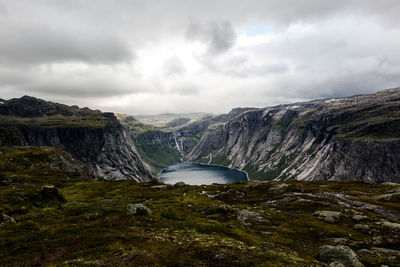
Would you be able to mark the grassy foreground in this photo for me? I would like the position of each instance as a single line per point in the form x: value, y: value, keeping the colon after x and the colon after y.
x: 85, y: 223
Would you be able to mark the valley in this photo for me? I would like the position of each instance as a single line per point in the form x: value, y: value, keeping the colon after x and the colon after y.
x: 78, y: 187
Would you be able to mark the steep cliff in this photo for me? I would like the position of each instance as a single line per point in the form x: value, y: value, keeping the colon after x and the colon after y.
x: 95, y: 138
x: 157, y: 148
x: 337, y: 139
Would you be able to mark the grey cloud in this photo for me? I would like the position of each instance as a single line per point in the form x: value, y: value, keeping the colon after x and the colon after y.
x: 76, y: 85
x: 218, y: 35
x: 174, y: 67
x: 186, y: 90
x: 258, y: 70
x: 242, y: 67
x: 338, y: 48
x: 44, y: 45
x: 3, y: 10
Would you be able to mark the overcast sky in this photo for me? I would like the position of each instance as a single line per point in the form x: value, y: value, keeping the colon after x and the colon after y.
x: 149, y: 57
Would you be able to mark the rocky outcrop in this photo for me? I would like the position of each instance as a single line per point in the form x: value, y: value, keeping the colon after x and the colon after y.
x: 337, y: 139
x: 137, y: 209
x: 339, y: 254
x: 95, y: 138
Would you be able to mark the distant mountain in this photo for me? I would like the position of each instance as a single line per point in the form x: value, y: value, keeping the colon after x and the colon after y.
x: 162, y: 120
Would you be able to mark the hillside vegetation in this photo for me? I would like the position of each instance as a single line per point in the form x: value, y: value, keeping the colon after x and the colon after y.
x: 52, y: 214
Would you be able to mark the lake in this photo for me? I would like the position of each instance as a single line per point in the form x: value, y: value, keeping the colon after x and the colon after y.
x: 198, y: 174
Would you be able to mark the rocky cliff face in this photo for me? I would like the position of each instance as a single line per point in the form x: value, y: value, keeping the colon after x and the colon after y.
x: 95, y: 138
x: 336, y: 139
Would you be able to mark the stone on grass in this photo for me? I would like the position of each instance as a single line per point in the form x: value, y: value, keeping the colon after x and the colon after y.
x: 179, y: 184
x: 159, y: 187
x: 336, y: 264
x: 7, y: 219
x: 361, y: 227
x: 137, y: 209
x: 328, y: 216
x: 358, y: 217
x: 279, y: 187
x: 341, y: 254
x: 52, y: 193
x: 248, y: 217
x: 391, y: 225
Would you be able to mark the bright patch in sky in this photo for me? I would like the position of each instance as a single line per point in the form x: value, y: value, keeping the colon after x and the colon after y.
x: 257, y: 30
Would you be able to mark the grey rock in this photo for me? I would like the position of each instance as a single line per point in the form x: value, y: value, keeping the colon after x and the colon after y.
x: 225, y: 209
x: 338, y: 241
x: 391, y: 184
x: 340, y: 254
x: 137, y: 209
x: 279, y: 187
x: 387, y: 197
x: 328, y: 216
x: 379, y: 252
x: 361, y: 227
x: 254, y: 184
x: 8, y: 219
x: 336, y: 264
x: 390, y: 225
x: 159, y: 187
x: 378, y: 240
x: 385, y: 251
x: 359, y: 217
x: 179, y: 184
x: 248, y: 217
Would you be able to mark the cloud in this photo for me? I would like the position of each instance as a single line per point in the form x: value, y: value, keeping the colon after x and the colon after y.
x: 179, y: 56
x: 3, y: 10
x: 43, y: 44
x: 72, y: 80
x: 219, y: 36
x: 173, y: 66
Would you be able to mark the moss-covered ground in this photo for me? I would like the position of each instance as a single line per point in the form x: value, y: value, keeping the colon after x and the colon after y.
x: 240, y: 224
x: 92, y: 121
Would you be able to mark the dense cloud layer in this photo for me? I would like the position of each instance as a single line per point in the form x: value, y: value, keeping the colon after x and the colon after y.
x: 185, y: 55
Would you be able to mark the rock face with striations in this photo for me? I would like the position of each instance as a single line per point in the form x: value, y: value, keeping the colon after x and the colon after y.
x: 95, y: 138
x: 333, y: 139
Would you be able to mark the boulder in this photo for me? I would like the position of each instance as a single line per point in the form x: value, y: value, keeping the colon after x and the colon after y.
x: 7, y: 219
x: 328, y: 216
x: 390, y: 225
x: 52, y: 193
x: 279, y: 187
x: 248, y: 217
x: 336, y: 264
x: 340, y: 254
x: 388, y: 197
x: 179, y: 184
x: 379, y: 252
x: 361, y: 227
x: 225, y: 209
x: 159, y: 187
x: 337, y: 241
x: 254, y: 184
x: 358, y: 217
x: 137, y: 209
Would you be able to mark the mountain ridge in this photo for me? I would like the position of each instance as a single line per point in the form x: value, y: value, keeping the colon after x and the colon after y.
x: 95, y: 138
x: 307, y: 140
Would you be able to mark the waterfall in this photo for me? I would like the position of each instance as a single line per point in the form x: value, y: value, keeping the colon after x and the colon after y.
x: 179, y: 148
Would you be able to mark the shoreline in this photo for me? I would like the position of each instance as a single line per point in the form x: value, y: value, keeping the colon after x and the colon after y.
x: 247, y: 175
